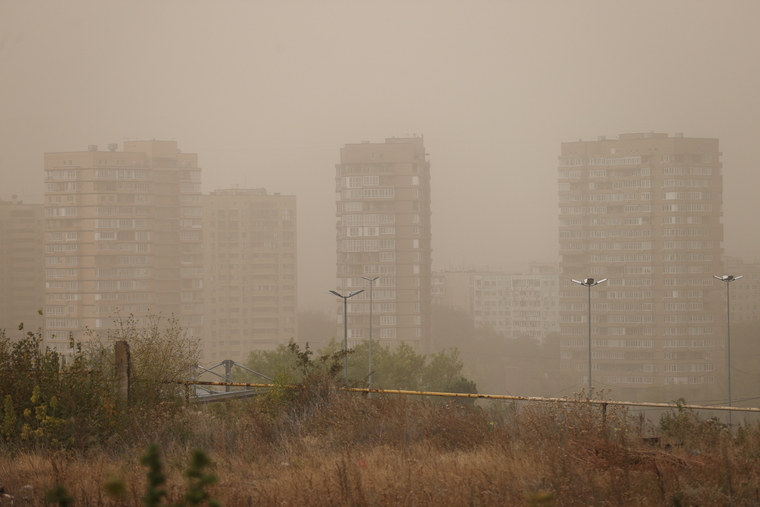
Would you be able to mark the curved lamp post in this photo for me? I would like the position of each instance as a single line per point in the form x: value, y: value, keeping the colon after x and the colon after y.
x: 589, y: 282
x: 345, y: 328
x: 371, y: 285
x: 728, y: 279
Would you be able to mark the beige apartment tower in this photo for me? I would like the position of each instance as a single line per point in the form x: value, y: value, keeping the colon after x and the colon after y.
x: 250, y: 279
x: 383, y: 230
x: 644, y: 211
x: 22, y: 266
x: 123, y: 236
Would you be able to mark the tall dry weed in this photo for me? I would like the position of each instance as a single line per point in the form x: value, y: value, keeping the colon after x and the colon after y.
x: 346, y: 449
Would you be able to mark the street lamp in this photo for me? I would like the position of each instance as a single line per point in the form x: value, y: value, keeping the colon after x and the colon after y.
x: 728, y: 279
x: 589, y: 282
x: 345, y: 328
x: 371, y: 284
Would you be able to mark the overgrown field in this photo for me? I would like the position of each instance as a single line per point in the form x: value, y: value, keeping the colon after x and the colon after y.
x: 332, y: 448
x: 67, y: 437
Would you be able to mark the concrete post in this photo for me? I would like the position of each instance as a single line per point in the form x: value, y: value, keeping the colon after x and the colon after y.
x: 122, y: 361
x: 228, y: 373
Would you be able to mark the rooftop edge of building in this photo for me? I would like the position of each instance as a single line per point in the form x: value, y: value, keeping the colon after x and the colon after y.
x: 637, y: 136
x: 392, y: 140
x: 240, y: 191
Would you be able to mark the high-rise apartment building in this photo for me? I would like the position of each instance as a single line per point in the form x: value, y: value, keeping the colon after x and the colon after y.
x: 123, y: 236
x: 383, y: 230
x: 22, y: 265
x: 645, y: 212
x: 250, y: 277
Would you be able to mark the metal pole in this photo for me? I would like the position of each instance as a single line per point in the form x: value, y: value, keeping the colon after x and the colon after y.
x: 728, y: 345
x: 728, y: 279
x: 589, y: 340
x: 371, y: 285
x: 589, y: 282
x: 345, y: 328
x: 345, y: 340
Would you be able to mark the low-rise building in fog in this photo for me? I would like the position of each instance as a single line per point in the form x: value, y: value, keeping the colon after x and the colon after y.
x: 453, y: 289
x: 250, y: 272
x: 491, y: 298
x: 513, y: 305
x: 533, y: 302
x: 22, y: 266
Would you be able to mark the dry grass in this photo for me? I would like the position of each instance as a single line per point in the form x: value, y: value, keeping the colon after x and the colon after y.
x: 341, y: 449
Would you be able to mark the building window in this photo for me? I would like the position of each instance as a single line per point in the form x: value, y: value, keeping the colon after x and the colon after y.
x: 388, y: 332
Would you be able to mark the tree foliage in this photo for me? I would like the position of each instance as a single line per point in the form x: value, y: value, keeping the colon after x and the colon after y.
x: 278, y: 363
x: 47, y: 401
x: 64, y: 399
x: 392, y: 368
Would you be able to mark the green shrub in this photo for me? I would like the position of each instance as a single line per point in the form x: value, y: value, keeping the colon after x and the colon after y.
x: 68, y: 399
x: 48, y: 401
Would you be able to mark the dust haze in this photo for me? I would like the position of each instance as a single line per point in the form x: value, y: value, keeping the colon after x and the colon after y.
x: 268, y: 92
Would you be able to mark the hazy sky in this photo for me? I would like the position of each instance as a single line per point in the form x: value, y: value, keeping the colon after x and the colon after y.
x: 267, y: 92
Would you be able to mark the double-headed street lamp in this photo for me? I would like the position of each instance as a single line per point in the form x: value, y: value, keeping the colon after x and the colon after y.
x: 371, y: 284
x: 345, y: 327
x: 589, y: 282
x: 728, y: 279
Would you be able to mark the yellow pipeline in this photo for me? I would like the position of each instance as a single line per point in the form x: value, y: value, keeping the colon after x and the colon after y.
x: 495, y: 397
